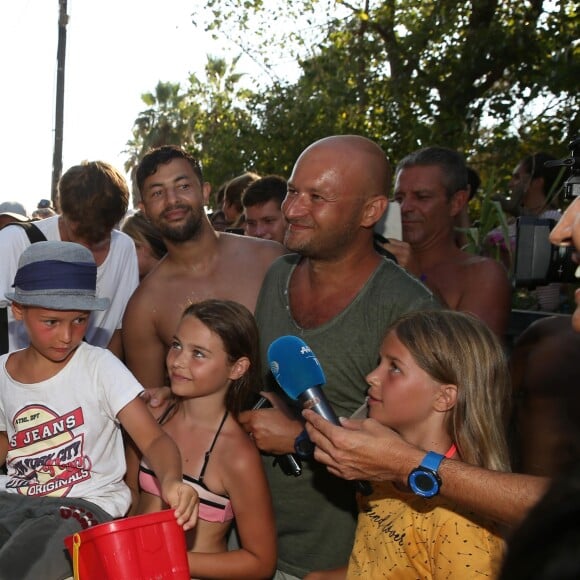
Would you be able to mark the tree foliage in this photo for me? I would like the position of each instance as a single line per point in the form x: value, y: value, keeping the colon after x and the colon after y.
x: 468, y: 75
x: 207, y: 118
x: 491, y: 78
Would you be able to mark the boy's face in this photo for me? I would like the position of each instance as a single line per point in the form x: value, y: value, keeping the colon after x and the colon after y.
x: 265, y: 220
x: 55, y: 334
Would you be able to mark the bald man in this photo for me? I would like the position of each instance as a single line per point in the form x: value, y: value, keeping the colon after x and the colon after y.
x: 367, y: 450
x: 338, y: 294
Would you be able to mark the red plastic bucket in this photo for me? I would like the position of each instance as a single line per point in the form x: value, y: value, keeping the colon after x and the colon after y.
x: 147, y: 547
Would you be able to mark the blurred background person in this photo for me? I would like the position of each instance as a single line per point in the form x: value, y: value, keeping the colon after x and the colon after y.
x: 262, y: 201
x: 148, y: 242
x: 232, y: 204
x: 12, y: 211
x: 534, y: 191
x: 218, y: 220
x: 43, y: 210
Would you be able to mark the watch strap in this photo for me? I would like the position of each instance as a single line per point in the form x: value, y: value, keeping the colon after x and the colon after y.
x: 432, y: 461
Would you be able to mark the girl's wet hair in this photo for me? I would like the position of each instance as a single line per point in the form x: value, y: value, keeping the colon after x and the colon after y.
x: 236, y: 327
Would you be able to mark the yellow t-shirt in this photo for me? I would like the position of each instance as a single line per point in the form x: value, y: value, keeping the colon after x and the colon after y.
x: 400, y: 535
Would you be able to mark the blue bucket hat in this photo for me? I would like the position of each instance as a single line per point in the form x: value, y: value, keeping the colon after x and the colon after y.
x: 57, y: 276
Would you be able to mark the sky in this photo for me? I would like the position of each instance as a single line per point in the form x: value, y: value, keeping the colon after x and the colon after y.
x: 116, y: 51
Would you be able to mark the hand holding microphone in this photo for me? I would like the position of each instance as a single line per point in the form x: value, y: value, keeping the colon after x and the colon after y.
x: 299, y: 374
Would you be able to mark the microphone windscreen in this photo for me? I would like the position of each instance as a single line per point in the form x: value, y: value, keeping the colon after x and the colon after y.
x: 294, y: 365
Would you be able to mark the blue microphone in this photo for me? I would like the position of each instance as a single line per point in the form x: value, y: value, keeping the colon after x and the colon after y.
x: 298, y: 371
x: 300, y: 375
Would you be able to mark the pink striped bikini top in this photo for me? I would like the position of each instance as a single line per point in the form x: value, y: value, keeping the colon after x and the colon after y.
x: 212, y: 506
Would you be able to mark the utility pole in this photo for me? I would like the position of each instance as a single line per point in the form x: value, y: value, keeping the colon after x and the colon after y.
x: 59, y: 115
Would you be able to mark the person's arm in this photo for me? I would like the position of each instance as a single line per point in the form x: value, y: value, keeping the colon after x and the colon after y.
x: 368, y: 450
x: 487, y: 294
x: 500, y: 496
x: 144, y: 349
x: 3, y: 447
x: 245, y: 482
x: 132, y: 458
x: 274, y: 429
x: 116, y: 344
x: 164, y: 459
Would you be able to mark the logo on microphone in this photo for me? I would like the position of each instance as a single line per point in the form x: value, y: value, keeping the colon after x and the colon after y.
x: 305, y: 350
x: 275, y: 368
x: 312, y: 402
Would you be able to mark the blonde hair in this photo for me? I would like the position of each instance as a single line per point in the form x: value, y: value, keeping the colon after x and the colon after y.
x: 457, y: 348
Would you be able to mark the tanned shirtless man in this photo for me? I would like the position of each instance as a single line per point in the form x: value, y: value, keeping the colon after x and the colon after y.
x: 431, y: 186
x: 200, y: 262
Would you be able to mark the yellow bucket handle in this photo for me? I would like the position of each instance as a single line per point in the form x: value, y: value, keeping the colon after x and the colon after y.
x: 76, y: 548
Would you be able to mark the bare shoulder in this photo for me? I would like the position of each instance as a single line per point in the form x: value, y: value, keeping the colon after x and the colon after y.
x: 239, y: 451
x: 255, y: 247
x: 153, y: 285
x: 480, y: 266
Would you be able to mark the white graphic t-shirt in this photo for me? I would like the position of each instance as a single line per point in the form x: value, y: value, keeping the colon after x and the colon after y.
x: 63, y: 435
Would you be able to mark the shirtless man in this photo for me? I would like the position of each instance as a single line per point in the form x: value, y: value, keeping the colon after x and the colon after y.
x: 200, y: 262
x: 431, y: 186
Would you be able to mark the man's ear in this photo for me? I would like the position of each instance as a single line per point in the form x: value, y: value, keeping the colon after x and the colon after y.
x: 17, y: 311
x: 458, y: 200
x: 373, y: 210
x: 446, y: 398
x: 143, y: 208
x: 239, y: 368
x: 206, y: 191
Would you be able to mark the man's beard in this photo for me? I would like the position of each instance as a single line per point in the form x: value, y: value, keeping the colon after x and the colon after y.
x: 323, y: 246
x: 182, y: 233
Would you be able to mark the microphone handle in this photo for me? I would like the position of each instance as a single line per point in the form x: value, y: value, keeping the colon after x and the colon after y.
x: 288, y: 463
x: 314, y: 399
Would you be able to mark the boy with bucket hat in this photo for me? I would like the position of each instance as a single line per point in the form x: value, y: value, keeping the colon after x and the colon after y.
x: 61, y: 403
x: 93, y: 197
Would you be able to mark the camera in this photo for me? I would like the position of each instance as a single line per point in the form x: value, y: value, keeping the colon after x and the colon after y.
x: 537, y: 261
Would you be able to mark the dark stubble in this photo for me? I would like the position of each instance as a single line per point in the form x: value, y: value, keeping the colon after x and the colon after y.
x: 185, y: 232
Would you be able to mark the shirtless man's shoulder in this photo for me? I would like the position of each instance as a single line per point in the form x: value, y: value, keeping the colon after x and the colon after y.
x: 234, y: 273
x: 474, y: 267
x: 253, y: 250
x: 475, y: 284
x: 465, y: 268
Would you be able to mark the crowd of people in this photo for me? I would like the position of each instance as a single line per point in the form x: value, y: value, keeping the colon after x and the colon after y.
x: 159, y: 321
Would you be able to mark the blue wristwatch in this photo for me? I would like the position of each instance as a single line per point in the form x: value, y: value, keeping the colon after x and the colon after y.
x: 424, y: 480
x: 303, y: 447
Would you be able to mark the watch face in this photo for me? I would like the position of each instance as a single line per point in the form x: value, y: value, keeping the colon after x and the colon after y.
x: 303, y: 447
x: 424, y: 482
